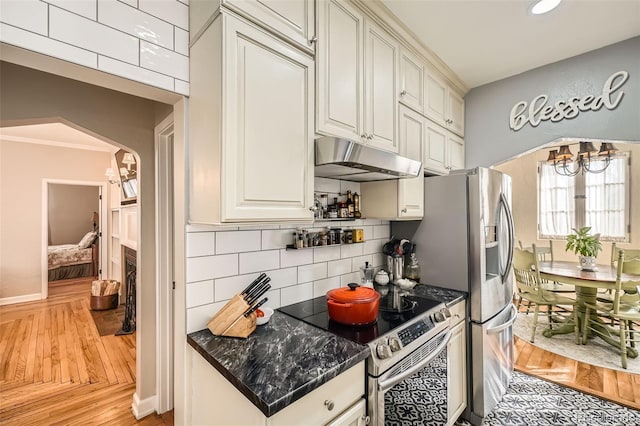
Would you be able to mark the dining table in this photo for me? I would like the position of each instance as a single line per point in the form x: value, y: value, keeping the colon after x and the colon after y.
x: 586, y: 284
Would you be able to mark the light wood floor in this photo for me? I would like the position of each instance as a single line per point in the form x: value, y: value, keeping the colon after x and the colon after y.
x: 56, y: 369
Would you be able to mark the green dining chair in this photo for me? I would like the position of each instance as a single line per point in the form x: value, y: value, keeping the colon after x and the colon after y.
x: 531, y: 288
x: 624, y: 309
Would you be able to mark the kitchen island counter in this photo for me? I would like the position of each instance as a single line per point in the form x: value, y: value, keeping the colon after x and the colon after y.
x: 280, y: 362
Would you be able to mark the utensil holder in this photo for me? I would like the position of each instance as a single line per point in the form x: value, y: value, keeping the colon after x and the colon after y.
x: 230, y: 321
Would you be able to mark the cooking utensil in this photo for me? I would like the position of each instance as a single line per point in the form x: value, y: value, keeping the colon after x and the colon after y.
x: 353, y: 305
x: 262, y: 289
x: 254, y: 283
x: 251, y: 295
x: 254, y: 307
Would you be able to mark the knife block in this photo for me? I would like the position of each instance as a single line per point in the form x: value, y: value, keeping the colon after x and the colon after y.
x: 230, y: 321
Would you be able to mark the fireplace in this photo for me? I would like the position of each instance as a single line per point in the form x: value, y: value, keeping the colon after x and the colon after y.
x: 130, y: 275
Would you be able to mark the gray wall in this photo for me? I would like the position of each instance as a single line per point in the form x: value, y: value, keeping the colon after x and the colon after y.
x: 70, y: 210
x: 490, y: 141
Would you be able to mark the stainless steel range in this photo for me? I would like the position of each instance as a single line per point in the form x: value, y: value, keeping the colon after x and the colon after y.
x: 408, y: 343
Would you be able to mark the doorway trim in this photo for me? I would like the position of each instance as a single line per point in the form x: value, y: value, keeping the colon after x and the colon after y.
x: 102, y: 190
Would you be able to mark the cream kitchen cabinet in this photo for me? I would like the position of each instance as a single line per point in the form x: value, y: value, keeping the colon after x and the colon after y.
x: 250, y: 126
x: 443, y: 152
x: 457, y: 365
x: 401, y: 199
x: 292, y: 19
x: 215, y: 401
x: 443, y: 104
x: 357, y: 63
x: 411, y: 81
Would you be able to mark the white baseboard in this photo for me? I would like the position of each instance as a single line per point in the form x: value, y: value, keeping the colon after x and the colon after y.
x: 20, y: 299
x: 142, y: 408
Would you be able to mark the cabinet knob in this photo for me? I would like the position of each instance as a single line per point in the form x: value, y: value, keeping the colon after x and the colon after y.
x: 404, y: 92
x: 329, y: 404
x: 313, y: 208
x: 403, y: 210
x: 312, y: 40
x: 363, y: 136
x: 366, y: 419
x: 369, y: 137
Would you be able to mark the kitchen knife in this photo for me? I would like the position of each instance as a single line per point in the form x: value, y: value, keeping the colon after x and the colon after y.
x: 254, y: 307
x: 256, y: 281
x: 251, y: 294
x: 263, y: 289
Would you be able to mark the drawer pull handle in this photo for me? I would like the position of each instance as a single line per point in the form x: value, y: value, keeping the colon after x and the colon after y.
x: 329, y: 404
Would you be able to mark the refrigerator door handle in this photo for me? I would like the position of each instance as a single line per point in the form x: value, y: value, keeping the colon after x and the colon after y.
x: 509, y: 323
x: 507, y: 210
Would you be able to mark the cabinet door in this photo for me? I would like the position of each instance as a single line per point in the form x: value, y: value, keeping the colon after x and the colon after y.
x: 435, y: 151
x: 455, y: 152
x: 435, y: 98
x: 267, y: 156
x: 380, y: 76
x: 294, y: 19
x: 412, y: 138
x: 339, y: 56
x: 354, y: 416
x: 455, y: 113
x: 457, y: 373
x: 411, y: 81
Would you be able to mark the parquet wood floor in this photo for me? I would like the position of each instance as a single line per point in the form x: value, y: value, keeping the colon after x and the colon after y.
x: 56, y: 369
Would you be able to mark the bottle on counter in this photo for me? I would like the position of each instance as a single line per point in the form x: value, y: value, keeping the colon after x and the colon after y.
x: 356, y: 206
x: 350, y: 205
x: 343, y: 213
x: 412, y: 267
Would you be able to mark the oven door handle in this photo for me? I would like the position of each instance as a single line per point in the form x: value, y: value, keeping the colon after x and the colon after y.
x: 509, y: 323
x: 384, y: 385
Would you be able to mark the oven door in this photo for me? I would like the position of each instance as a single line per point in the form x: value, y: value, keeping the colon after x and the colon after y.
x: 414, y: 391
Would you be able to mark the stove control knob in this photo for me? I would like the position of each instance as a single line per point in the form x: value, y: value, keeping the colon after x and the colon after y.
x: 383, y: 351
x: 446, y: 312
x: 394, y: 344
x: 439, y: 316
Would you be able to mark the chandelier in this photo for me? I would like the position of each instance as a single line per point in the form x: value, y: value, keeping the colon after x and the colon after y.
x: 588, y: 160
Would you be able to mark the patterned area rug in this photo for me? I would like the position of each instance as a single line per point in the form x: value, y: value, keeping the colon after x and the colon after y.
x: 595, y: 352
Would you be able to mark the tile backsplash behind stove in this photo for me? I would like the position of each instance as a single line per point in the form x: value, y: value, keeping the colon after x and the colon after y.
x: 223, y: 260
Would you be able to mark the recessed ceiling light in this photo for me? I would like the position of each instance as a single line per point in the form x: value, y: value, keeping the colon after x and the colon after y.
x: 544, y: 6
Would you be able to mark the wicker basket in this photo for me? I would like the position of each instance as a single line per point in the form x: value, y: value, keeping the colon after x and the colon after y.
x: 103, y: 303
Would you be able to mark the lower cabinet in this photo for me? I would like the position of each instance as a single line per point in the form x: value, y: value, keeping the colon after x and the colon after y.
x: 457, y: 365
x: 215, y: 401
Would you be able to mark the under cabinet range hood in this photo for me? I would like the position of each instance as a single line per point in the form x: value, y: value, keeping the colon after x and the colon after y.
x: 344, y: 159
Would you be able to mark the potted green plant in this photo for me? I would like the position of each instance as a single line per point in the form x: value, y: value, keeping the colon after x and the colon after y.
x: 586, y: 246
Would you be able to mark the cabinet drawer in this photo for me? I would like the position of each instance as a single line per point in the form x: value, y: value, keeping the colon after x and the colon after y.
x: 342, y: 391
x: 458, y: 312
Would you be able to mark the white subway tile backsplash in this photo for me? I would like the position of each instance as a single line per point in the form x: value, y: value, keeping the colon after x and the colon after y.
x: 134, y: 73
x: 373, y: 246
x: 30, y: 15
x: 135, y: 22
x: 296, y: 293
x: 283, y: 277
x: 169, y: 10
x: 78, y: 31
x: 324, y: 254
x: 379, y: 260
x: 181, y: 87
x: 276, y: 238
x: 352, y: 277
x: 181, y: 41
x: 237, y: 241
x: 339, y: 267
x: 200, y: 244
x: 204, y: 228
x: 209, y: 267
x: 226, y: 288
x: 274, y: 299
x: 382, y: 231
x: 312, y: 272
x: 359, y: 262
x: 47, y: 46
x: 321, y: 287
x: 199, y: 293
x: 259, y: 261
x: 198, y: 317
x: 84, y: 8
x: 164, y: 61
x: 133, y: 3
x: 368, y: 232
x: 351, y: 250
x: 295, y: 257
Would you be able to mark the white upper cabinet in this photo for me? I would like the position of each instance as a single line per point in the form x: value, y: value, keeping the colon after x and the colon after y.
x: 411, y: 81
x: 339, y: 57
x: 357, y: 65
x: 443, y: 104
x: 412, y: 136
x: 381, y: 76
x: 251, y: 126
x: 443, y: 152
x: 292, y: 19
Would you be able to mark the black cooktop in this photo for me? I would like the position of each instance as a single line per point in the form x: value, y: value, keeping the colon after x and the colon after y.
x: 396, y: 308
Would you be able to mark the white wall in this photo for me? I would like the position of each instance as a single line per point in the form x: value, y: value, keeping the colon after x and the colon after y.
x: 141, y: 40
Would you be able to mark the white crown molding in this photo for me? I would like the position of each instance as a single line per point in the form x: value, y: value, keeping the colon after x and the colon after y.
x: 23, y: 139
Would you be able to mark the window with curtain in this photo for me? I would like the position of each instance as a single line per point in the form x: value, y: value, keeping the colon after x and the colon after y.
x: 600, y: 201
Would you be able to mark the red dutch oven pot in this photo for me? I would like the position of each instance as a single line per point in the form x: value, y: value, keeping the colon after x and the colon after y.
x: 353, y: 305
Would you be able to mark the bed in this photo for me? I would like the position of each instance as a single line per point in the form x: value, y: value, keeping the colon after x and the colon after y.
x: 74, y: 260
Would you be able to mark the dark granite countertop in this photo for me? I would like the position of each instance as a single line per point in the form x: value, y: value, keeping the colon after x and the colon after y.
x: 280, y: 361
x: 448, y: 297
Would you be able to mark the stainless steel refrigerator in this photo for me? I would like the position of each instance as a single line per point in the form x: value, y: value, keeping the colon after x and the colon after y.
x: 465, y: 242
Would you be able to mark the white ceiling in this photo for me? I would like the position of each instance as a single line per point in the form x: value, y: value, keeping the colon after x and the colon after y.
x: 56, y: 134
x: 487, y: 40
